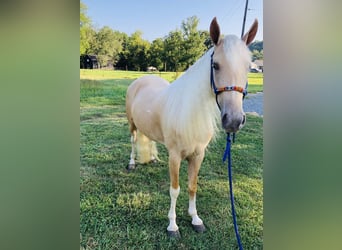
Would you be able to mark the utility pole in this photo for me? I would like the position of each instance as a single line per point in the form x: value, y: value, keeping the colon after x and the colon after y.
x: 244, y: 19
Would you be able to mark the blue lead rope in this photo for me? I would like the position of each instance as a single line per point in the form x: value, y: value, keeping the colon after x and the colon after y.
x: 227, y: 154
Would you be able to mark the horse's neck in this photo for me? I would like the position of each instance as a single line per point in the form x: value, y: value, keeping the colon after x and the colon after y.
x: 195, y: 82
x: 190, y: 104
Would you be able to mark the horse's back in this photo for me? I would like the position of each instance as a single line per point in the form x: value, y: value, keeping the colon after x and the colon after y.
x: 145, y: 88
x: 151, y: 83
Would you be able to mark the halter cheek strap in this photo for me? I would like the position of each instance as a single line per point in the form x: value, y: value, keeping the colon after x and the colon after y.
x: 218, y: 91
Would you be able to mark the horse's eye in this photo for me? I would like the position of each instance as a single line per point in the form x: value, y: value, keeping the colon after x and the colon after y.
x: 216, y: 66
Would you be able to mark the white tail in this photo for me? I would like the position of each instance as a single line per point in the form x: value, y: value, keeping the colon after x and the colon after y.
x: 146, y: 149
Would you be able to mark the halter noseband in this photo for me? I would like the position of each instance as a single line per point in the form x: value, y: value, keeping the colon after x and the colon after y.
x: 218, y: 91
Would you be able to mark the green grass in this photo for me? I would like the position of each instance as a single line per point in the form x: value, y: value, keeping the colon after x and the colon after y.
x: 121, y: 210
x: 121, y: 74
x: 255, y: 80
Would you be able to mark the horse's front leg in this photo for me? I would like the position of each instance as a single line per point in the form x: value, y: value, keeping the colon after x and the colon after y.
x: 194, y: 162
x: 174, y: 164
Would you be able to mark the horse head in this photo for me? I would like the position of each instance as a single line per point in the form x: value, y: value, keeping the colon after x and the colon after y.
x: 230, y: 63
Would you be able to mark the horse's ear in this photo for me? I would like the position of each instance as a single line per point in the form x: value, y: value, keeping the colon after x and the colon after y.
x: 250, y: 35
x: 214, y: 31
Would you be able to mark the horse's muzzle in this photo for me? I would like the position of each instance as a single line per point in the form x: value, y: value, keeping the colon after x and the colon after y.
x: 233, y: 124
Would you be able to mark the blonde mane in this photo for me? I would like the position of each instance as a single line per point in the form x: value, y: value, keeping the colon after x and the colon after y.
x: 192, y: 111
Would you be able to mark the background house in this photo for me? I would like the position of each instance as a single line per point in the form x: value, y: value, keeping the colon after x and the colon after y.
x: 88, y: 62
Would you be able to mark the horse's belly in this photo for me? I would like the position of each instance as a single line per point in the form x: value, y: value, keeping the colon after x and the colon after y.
x: 148, y: 123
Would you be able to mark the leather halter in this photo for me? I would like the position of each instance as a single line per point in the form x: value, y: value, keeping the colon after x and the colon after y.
x: 218, y: 91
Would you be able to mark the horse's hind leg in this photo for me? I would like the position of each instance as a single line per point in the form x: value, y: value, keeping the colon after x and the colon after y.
x: 154, y: 152
x: 131, y: 164
x: 194, y: 162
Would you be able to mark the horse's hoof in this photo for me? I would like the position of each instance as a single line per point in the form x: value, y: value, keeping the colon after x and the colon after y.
x: 174, y: 234
x: 130, y: 167
x: 199, y: 228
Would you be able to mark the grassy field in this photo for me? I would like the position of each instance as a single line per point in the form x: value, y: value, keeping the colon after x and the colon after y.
x: 121, y: 74
x: 121, y: 210
x: 255, y: 80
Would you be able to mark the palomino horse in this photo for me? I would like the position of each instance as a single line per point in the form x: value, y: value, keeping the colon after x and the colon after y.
x: 184, y: 115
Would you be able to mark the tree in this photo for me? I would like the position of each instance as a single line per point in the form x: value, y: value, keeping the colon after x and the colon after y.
x: 193, y: 41
x: 184, y: 47
x: 189, y: 27
x: 257, y: 45
x: 205, y: 36
x: 139, y: 49
x: 156, y: 54
x: 174, y: 51
x: 124, y: 55
x: 107, y: 46
x: 257, y: 49
x: 86, y: 30
x: 135, y: 55
x: 257, y: 55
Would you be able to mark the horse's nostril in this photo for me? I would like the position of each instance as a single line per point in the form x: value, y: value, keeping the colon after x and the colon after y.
x: 232, y: 125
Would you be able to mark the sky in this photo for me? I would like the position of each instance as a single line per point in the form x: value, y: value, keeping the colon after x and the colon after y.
x: 156, y: 18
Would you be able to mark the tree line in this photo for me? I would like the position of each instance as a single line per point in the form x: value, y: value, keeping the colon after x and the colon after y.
x: 257, y: 49
x: 175, y: 52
